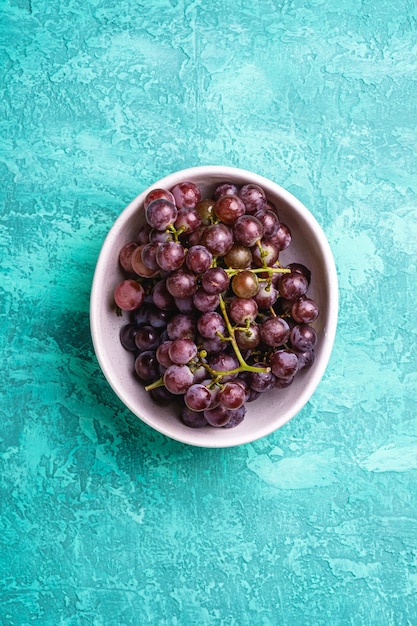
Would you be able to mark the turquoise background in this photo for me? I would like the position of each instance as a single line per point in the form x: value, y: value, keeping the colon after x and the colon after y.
x: 103, y: 521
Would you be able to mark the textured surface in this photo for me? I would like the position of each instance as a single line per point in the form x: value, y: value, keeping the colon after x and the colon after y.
x: 104, y: 521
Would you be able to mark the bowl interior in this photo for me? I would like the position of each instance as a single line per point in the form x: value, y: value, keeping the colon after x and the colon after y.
x: 273, y: 409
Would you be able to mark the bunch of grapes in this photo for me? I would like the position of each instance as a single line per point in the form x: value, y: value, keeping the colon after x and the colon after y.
x: 215, y: 320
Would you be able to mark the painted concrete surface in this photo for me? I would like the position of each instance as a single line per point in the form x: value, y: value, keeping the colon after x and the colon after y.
x: 104, y: 521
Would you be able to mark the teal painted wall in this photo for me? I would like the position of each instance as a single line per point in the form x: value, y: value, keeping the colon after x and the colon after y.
x: 103, y: 521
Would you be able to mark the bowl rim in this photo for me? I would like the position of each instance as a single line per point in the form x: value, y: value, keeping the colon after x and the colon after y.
x: 329, y: 333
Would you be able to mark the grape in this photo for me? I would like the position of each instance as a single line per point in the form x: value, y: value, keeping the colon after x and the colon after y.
x: 139, y: 266
x: 205, y: 210
x: 162, y: 396
x: 306, y: 358
x: 283, y: 383
x: 157, y: 194
x: 188, y: 220
x: 238, y: 257
x: 185, y: 305
x: 210, y: 323
x: 147, y: 338
x: 127, y: 336
x: 301, y: 269
x: 261, y: 381
x: 186, y: 195
x: 282, y: 237
x: 269, y: 221
x: 199, y: 398
x: 248, y: 230
x: 148, y: 254
x: 178, y: 378
x: 161, y: 296
x: 181, y: 351
x: 292, y: 286
x: 215, y: 280
x: 211, y: 346
x: 161, y: 214
x: 243, y: 310
x: 217, y: 417
x: 284, y: 363
x: 249, y: 338
x: 266, y: 296
x: 158, y: 318
x: 160, y: 236
x: 236, y: 417
x: 204, y: 301
x: 198, y: 259
x: 170, y: 256
x: 231, y: 395
x: 194, y: 238
x: 253, y: 197
x: 181, y: 284
x: 218, y: 239
x: 146, y: 366
x: 129, y: 295
x: 224, y: 362
x: 125, y: 256
x: 275, y: 331
x: 229, y: 208
x: 143, y: 234
x: 162, y: 354
x: 192, y: 419
x: 181, y: 325
x: 245, y: 284
x: 303, y: 337
x: 266, y: 254
x: 304, y: 310
x: 225, y: 189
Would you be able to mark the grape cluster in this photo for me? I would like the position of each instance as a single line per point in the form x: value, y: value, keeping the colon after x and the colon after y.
x: 214, y: 319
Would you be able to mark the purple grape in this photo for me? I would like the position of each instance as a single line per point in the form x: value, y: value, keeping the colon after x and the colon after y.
x: 248, y: 230
x: 284, y: 363
x: 162, y: 396
x: 237, y: 416
x: 304, y: 310
x: 181, y: 283
x: 161, y: 296
x: 292, y: 286
x: 243, y: 310
x: 181, y: 325
x: 199, y: 398
x: 303, y: 337
x: 224, y: 362
x: 229, y: 208
x: 218, y: 239
x: 188, y: 220
x: 282, y: 237
x: 275, y: 331
x: 177, y: 379
x: 127, y: 336
x: 125, y: 256
x: 210, y: 323
x: 181, y: 351
x: 149, y: 255
x: 192, y: 419
x: 218, y: 417
x: 147, y: 338
x: 170, y: 256
x: 253, y: 197
x: 301, y: 269
x: 204, y: 301
x: 158, y: 194
x: 146, y: 366
x: 225, y: 189
x: 215, y: 280
x: 261, y: 381
x: 129, y: 295
x: 231, y: 395
x: 198, y: 259
x: 269, y: 221
x: 186, y: 195
x: 161, y: 213
x: 265, y: 255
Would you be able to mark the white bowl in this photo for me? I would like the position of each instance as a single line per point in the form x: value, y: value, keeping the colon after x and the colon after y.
x: 272, y: 409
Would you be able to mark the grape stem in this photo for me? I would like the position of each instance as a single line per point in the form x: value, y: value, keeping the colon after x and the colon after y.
x: 243, y: 366
x: 155, y: 385
x: 231, y: 271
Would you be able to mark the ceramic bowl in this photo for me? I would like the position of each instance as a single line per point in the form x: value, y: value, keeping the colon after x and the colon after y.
x: 272, y: 409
